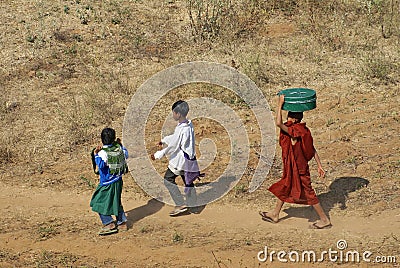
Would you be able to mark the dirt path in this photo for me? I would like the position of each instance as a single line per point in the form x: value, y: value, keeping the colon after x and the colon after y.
x: 48, y: 228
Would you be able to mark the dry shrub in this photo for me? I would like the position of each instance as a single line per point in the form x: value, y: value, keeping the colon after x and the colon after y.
x: 286, y: 7
x: 5, y: 153
x: 380, y: 69
x: 257, y: 68
x: 76, y: 120
x: 8, y: 148
x: 385, y: 15
x: 8, y: 139
x: 330, y: 22
x: 230, y: 20
x: 96, y: 105
x: 206, y: 17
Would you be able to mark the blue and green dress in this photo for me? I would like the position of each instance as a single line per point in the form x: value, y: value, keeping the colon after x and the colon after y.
x: 106, y: 199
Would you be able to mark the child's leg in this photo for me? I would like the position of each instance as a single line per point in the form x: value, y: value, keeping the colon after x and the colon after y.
x: 169, y: 181
x: 278, y: 208
x: 122, y: 221
x: 109, y: 226
x: 323, y: 218
x: 107, y: 220
x: 190, y: 191
x: 121, y: 218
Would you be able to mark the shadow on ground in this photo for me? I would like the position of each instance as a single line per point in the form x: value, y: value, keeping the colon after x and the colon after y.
x: 191, y: 210
x: 338, y: 192
x: 136, y: 214
x: 152, y: 207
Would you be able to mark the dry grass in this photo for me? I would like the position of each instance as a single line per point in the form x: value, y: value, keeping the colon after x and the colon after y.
x: 70, y: 68
x: 77, y: 64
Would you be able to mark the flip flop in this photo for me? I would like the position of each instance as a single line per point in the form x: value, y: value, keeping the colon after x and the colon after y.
x: 107, y: 231
x: 315, y: 226
x: 178, y: 211
x: 123, y: 226
x: 264, y: 217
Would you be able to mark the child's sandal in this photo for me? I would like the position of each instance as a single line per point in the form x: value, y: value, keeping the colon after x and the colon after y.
x: 107, y: 231
x: 123, y: 226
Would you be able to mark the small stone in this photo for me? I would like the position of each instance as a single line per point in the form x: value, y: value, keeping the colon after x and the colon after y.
x: 11, y: 105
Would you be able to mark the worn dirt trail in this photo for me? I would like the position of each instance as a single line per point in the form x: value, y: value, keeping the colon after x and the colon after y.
x: 61, y: 223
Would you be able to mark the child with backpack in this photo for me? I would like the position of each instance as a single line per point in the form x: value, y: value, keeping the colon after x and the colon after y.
x: 110, y: 158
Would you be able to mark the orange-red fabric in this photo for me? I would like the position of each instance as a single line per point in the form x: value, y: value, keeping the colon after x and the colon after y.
x: 295, y: 184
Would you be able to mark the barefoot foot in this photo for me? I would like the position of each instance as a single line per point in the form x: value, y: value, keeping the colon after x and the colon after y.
x: 269, y: 217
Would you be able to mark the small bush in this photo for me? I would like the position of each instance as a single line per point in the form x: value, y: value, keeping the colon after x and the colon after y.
x: 206, y: 17
x: 379, y: 68
x: 47, y: 230
x: 177, y: 237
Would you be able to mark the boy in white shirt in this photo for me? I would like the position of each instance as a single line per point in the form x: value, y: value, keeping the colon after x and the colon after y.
x: 180, y: 147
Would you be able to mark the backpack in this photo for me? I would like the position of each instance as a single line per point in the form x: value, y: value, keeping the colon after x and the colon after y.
x: 116, y: 160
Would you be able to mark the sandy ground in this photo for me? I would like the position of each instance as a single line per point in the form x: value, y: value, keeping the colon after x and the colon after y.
x: 56, y: 228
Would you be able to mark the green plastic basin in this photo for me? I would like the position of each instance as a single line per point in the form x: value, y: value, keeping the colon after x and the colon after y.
x: 299, y: 99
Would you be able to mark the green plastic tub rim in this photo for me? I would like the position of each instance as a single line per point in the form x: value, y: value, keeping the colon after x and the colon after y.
x: 299, y: 99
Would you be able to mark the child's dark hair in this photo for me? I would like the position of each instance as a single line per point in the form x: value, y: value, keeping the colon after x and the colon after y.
x: 296, y: 115
x: 181, y: 107
x: 108, y: 136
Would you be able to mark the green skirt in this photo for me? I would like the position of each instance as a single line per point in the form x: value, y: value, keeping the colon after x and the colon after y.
x: 106, y: 200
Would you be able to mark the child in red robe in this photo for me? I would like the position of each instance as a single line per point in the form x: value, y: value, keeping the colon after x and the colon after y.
x: 295, y: 186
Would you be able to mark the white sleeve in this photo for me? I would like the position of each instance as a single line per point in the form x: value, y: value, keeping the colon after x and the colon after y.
x: 173, y: 141
x: 103, y: 156
x: 159, y: 154
x: 168, y: 139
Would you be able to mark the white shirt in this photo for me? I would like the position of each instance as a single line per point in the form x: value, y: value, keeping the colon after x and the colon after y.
x: 181, y: 141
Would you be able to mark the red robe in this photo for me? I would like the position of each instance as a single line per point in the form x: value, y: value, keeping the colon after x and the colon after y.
x: 295, y: 185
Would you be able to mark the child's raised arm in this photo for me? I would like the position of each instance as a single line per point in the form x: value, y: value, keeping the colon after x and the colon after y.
x: 279, y: 121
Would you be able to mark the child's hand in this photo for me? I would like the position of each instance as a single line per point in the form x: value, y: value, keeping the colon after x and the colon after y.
x: 98, y: 148
x: 321, y: 172
x: 152, y: 157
